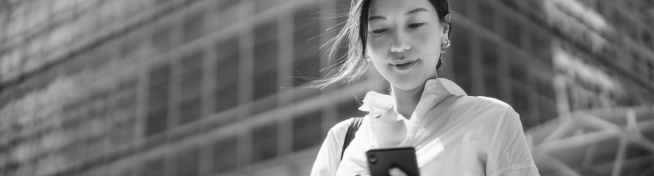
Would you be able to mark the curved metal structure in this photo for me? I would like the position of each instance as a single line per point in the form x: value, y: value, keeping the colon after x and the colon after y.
x: 616, y: 141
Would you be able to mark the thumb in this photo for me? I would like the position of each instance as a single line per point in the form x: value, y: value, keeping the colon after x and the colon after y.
x: 396, y: 172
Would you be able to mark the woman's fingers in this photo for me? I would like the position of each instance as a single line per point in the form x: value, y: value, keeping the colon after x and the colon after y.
x: 396, y: 172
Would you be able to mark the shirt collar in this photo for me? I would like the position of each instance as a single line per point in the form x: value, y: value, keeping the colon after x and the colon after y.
x: 435, y: 90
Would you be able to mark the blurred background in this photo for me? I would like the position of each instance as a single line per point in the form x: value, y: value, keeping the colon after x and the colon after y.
x: 219, y: 87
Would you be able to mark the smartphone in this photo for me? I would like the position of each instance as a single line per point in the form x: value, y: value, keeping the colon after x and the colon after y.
x: 380, y: 161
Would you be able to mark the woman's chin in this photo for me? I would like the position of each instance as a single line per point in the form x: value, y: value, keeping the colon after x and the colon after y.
x: 406, y: 84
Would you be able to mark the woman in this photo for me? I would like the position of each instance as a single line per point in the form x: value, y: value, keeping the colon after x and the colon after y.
x: 453, y: 134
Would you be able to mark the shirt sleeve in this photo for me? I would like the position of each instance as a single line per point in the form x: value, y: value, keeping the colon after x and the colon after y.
x: 329, y: 155
x: 509, y: 153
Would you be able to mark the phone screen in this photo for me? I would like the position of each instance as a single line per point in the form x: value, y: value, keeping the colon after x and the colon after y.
x: 380, y: 161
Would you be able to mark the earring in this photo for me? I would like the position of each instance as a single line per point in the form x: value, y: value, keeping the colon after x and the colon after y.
x: 445, y: 44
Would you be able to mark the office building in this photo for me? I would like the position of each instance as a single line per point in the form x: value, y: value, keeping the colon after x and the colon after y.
x: 221, y: 87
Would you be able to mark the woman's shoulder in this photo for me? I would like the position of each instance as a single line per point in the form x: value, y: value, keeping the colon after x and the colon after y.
x: 485, y: 105
x: 340, y: 128
x: 491, y: 113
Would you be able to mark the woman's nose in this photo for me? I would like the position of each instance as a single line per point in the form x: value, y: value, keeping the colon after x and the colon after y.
x: 400, y: 43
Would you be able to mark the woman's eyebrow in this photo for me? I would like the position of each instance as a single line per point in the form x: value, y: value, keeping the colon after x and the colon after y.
x: 416, y: 10
x: 411, y: 12
x: 376, y: 18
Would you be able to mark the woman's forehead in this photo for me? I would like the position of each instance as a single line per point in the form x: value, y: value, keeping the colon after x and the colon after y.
x: 387, y: 7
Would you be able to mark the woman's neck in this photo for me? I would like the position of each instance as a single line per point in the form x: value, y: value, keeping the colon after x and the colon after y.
x: 407, y: 100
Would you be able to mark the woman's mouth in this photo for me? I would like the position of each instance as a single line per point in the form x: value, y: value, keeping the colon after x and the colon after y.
x: 402, y: 65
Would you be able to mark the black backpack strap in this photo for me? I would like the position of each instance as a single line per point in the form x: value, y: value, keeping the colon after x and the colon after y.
x: 355, y: 122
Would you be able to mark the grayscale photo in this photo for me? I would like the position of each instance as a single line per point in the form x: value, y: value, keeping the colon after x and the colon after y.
x: 326, y: 87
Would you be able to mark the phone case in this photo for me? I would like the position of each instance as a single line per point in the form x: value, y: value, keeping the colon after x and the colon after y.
x: 380, y: 161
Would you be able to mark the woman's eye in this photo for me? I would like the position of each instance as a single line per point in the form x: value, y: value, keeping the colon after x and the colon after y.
x: 416, y: 25
x: 379, y: 31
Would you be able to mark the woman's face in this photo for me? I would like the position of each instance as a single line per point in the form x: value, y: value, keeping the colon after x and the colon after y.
x: 404, y: 41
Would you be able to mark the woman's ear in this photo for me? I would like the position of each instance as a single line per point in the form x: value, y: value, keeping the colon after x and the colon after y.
x: 446, y: 26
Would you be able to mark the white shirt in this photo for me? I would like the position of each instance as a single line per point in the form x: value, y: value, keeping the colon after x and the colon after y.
x: 463, y: 135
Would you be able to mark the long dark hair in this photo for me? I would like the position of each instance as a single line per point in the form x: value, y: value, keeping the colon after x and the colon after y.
x: 353, y: 64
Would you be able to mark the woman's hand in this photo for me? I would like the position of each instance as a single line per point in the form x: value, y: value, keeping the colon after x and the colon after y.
x: 396, y: 172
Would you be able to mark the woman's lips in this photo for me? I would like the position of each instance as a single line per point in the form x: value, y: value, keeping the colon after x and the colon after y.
x: 403, y: 64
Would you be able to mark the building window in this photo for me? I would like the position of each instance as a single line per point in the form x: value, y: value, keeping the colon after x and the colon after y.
x: 161, y: 38
x: 540, y: 47
x: 307, y: 55
x: 517, y: 71
x: 264, y: 142
x: 127, y: 48
x: 535, y: 7
x: 512, y: 31
x: 158, y: 97
x: 122, y: 132
x: 265, y: 84
x: 154, y: 167
x: 492, y: 84
x: 227, y: 12
x: 306, y: 131
x: 548, y: 109
x: 520, y: 102
x: 510, y: 3
x: 306, y: 65
x: 127, y: 89
x: 461, y: 58
x: 227, y: 65
x: 545, y: 88
x: 159, y: 87
x: 306, y: 69
x: 489, y: 54
x: 224, y: 155
x: 226, y: 97
x: 265, y: 66
x: 486, y: 15
x: 545, y: 102
x: 191, y: 87
x: 190, y: 110
x: 640, y: 65
x: 91, y: 146
x: 193, y: 26
x: 192, y: 75
x: 490, y: 68
x: 187, y: 162
x: 647, y: 38
x: 263, y: 5
x: 156, y: 122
